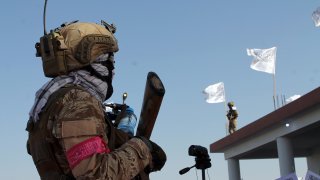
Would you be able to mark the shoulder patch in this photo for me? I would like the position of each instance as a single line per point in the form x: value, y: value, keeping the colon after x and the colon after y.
x: 79, y: 128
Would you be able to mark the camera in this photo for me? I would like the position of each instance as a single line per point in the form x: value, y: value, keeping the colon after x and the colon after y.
x: 202, y: 159
x: 198, y: 151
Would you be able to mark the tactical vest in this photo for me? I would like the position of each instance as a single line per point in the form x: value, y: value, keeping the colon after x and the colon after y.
x: 43, y: 146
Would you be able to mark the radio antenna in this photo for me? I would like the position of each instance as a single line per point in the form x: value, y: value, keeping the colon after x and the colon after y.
x: 44, y: 17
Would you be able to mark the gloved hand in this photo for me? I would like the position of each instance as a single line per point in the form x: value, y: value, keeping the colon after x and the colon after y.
x: 159, y: 157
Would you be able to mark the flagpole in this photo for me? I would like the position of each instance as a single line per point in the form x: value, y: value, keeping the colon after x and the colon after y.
x: 216, y: 94
x: 227, y: 123
x: 274, y: 91
x: 225, y: 108
x: 274, y: 81
x: 261, y: 62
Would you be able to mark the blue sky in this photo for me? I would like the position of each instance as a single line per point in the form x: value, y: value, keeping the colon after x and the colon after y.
x: 190, y: 45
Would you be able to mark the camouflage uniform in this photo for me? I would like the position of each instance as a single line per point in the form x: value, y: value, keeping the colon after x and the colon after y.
x: 71, y: 124
x: 69, y: 137
x: 232, y: 116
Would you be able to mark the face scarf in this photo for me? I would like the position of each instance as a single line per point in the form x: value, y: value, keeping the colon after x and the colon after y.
x: 97, y: 87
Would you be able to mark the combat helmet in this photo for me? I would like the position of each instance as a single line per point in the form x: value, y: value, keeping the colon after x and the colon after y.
x: 231, y: 103
x: 75, y: 45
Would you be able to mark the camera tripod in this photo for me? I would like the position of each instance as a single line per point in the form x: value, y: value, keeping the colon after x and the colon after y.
x: 203, y: 161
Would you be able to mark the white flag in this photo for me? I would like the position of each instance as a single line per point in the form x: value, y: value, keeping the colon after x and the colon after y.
x: 316, y: 17
x: 312, y: 176
x: 215, y: 93
x: 292, y: 98
x: 264, y: 59
x: 291, y: 176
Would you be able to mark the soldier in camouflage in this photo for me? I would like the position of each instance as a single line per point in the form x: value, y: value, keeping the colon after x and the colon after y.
x: 69, y: 137
x: 232, y: 116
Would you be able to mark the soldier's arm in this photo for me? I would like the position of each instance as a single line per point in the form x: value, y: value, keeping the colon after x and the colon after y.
x: 80, y: 128
x: 236, y: 114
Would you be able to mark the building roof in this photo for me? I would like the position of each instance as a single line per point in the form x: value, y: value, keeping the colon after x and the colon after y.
x: 275, y: 118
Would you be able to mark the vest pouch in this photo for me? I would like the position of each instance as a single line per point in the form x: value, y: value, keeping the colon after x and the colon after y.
x: 41, y: 154
x: 43, y: 157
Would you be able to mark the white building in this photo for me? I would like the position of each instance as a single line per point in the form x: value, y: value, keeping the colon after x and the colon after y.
x: 288, y: 132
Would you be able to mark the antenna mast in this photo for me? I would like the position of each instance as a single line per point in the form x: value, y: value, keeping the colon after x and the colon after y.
x: 44, y: 17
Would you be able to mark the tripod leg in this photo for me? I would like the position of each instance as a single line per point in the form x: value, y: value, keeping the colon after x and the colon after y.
x: 203, y: 175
